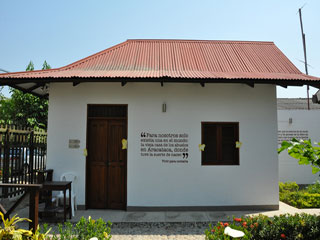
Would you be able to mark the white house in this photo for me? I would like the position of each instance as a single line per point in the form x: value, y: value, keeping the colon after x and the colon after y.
x: 295, y: 120
x: 131, y: 121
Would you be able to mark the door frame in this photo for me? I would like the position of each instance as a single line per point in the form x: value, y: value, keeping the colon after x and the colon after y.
x: 87, y: 160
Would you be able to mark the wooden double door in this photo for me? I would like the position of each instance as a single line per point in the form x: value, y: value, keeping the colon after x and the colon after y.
x: 106, y: 163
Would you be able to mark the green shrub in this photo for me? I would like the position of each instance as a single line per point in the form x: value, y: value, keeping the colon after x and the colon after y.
x: 88, y: 228
x: 306, y: 198
x: 304, y: 226
x: 288, y: 187
x: 314, y: 188
x: 9, y: 230
x: 84, y: 230
x: 66, y: 232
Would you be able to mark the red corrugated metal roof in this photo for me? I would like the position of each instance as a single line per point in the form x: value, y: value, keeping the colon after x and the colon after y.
x: 185, y: 59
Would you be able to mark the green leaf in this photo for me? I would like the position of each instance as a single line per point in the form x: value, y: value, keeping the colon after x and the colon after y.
x: 285, y: 144
x: 304, y: 151
x: 315, y: 169
x: 304, y: 161
x: 295, y: 140
x: 295, y: 155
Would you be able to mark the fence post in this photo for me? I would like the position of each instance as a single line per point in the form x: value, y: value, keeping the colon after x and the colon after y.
x: 34, y: 208
x: 31, y: 156
x: 6, y: 162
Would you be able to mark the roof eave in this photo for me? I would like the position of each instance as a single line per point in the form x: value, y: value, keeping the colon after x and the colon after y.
x: 40, y: 82
x: 43, y: 80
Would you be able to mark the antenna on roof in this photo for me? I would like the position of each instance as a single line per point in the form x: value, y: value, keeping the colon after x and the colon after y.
x: 304, y: 62
x: 304, y: 51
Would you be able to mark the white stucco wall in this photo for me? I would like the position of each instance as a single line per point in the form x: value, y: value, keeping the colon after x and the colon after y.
x: 153, y: 183
x: 302, y: 120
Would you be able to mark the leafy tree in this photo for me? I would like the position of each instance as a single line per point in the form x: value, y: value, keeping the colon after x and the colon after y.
x: 45, y: 65
x: 304, y: 151
x: 25, y: 109
x: 1, y: 94
x: 6, y: 110
x: 30, y: 66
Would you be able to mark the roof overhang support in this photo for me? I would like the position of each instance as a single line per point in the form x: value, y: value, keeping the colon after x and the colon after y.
x: 283, y: 85
x: 250, y: 84
x: 161, y: 84
x: 28, y: 91
x: 123, y: 83
x: 202, y: 84
x: 35, y: 86
x: 315, y: 85
x: 75, y: 83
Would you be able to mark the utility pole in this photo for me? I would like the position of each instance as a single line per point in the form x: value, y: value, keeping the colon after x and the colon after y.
x: 305, y: 53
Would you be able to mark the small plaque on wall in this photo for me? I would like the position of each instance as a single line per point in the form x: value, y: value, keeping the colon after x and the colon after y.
x: 74, y: 143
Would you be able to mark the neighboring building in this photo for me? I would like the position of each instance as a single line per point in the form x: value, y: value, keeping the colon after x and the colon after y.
x: 295, y: 120
x: 163, y: 99
x: 316, y: 97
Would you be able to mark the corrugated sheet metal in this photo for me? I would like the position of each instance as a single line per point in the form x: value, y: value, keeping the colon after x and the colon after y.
x: 187, y: 59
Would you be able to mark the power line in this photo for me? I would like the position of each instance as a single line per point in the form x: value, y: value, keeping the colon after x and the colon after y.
x: 2, y: 70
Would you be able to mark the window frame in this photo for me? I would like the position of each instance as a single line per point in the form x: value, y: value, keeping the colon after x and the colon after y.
x: 205, y: 162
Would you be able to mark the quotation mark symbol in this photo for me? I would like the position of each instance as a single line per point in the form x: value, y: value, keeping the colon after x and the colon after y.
x: 143, y: 134
x: 185, y: 155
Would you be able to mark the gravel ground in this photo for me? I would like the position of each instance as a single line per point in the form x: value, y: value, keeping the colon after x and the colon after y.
x: 158, y: 231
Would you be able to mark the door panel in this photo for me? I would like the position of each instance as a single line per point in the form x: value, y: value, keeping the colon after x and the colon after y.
x: 97, y: 155
x: 116, y: 164
x: 97, y: 192
x: 116, y: 198
x: 107, y: 163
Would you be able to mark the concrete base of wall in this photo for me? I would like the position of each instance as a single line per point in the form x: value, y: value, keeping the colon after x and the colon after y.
x: 200, y: 208
x: 81, y: 207
x: 204, y: 208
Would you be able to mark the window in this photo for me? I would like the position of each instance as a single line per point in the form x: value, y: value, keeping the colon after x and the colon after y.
x: 220, y: 140
x: 105, y: 111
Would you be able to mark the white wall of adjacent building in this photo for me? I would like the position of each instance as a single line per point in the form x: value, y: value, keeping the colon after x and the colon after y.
x: 302, y: 120
x: 150, y: 182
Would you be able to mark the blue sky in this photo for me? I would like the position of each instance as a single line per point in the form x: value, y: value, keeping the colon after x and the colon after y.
x: 62, y: 32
